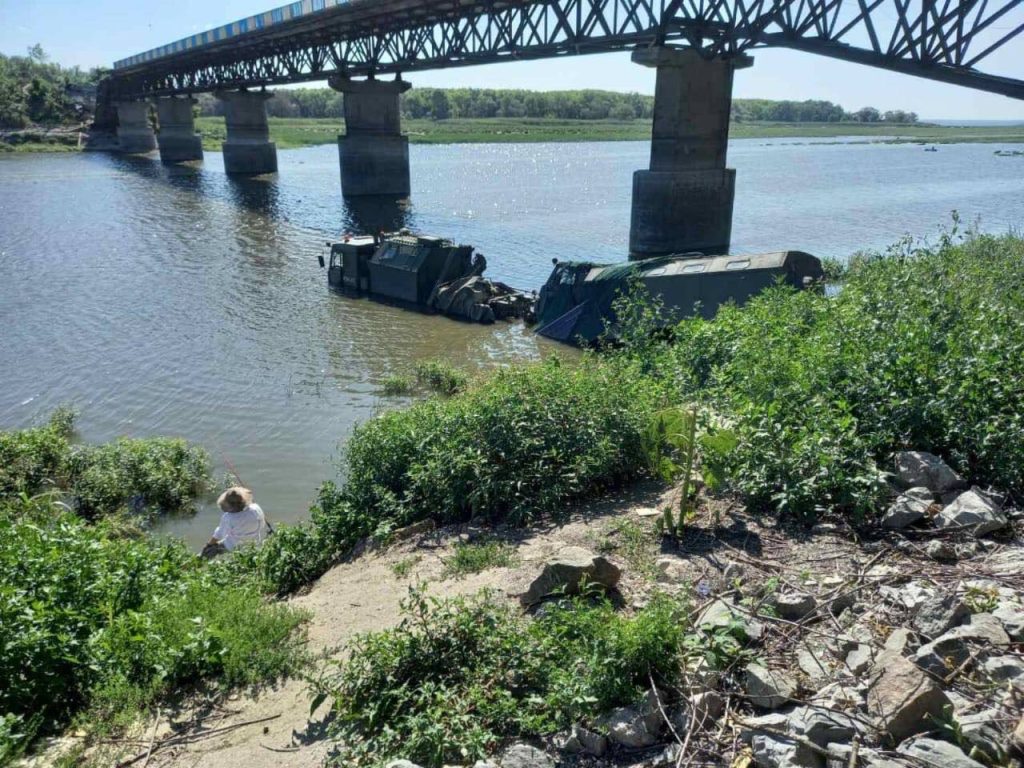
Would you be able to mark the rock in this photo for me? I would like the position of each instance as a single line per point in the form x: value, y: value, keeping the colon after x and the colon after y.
x: 415, y: 529
x: 980, y: 732
x: 706, y: 707
x: 794, y: 606
x: 910, y: 595
x: 780, y: 752
x: 812, y: 659
x: 773, y: 721
x: 1017, y: 737
x: 908, y: 508
x: 650, y: 709
x: 580, y: 740
x: 568, y: 570
x: 938, y: 614
x: 944, y: 654
x: 402, y: 764
x: 822, y: 727
x: 1011, y: 616
x: 973, y: 510
x: 917, y: 469
x: 768, y: 688
x: 719, y: 614
x: 485, y: 764
x: 839, y: 757
x: 968, y: 550
x: 841, y: 695
x: 942, y: 551
x: 626, y: 727
x: 859, y: 659
x: 903, y: 697
x: 898, y: 640
x: 937, y: 754
x: 525, y: 756
x: 1003, y: 669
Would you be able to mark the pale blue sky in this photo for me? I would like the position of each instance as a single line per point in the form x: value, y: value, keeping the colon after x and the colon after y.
x: 93, y: 32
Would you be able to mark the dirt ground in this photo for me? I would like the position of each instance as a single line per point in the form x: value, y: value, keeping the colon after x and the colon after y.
x: 274, y: 727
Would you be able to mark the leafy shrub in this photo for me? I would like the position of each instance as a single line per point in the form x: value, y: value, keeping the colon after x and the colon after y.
x: 920, y: 349
x: 94, y: 620
x: 146, y: 476
x: 15, y: 735
x: 457, y: 677
x: 440, y: 376
x: 397, y: 385
x: 31, y: 459
x: 521, y: 444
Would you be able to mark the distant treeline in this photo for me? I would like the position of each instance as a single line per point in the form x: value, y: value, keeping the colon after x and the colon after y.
x: 34, y: 90
x: 441, y: 104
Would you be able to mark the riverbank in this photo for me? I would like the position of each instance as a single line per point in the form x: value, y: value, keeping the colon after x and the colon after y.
x: 294, y: 133
x: 922, y: 349
x: 297, y: 132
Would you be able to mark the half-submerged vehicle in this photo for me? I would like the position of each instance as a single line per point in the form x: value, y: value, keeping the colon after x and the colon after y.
x: 576, y: 303
x: 430, y: 273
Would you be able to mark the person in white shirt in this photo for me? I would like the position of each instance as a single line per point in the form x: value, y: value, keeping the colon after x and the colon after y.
x: 243, y: 521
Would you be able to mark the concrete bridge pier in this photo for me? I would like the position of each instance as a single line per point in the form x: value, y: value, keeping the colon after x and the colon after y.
x: 248, y: 148
x: 178, y: 140
x: 374, y: 153
x: 684, y: 202
x: 134, y: 133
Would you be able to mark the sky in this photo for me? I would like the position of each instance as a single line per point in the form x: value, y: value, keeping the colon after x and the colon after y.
x: 96, y: 32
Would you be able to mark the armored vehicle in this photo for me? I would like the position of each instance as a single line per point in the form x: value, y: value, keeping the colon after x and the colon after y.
x: 576, y: 302
x: 430, y: 273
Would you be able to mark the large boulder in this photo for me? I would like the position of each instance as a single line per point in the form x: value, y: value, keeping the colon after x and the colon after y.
x: 909, y: 507
x: 903, y: 698
x: 627, y: 726
x: 937, y: 754
x: 580, y: 740
x: 567, y: 572
x: 920, y: 469
x: 973, y: 510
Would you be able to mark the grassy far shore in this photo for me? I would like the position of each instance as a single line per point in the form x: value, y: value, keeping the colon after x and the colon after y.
x: 298, y: 132
x: 293, y: 133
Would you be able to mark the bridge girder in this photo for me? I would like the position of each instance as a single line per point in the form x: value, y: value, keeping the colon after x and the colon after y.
x: 941, y: 40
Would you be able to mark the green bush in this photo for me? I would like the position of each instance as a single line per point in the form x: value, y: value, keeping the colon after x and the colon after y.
x: 476, y: 556
x: 146, y: 476
x: 457, y: 677
x: 921, y: 349
x: 93, y: 620
x: 32, y: 459
x: 519, y: 445
x: 440, y: 376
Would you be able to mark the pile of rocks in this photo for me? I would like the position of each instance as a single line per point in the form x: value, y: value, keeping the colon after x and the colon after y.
x: 933, y: 494
x: 905, y: 657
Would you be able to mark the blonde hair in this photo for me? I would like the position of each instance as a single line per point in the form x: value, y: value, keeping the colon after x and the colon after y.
x: 235, y: 499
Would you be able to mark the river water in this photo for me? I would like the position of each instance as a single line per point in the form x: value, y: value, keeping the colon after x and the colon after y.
x: 178, y: 301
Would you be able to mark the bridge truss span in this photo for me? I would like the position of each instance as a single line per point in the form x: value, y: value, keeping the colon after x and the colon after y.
x: 945, y: 40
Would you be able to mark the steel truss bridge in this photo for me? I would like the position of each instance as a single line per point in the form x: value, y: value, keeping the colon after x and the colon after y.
x: 944, y: 40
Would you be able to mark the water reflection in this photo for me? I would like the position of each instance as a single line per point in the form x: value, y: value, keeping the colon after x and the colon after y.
x: 259, y: 194
x: 377, y: 213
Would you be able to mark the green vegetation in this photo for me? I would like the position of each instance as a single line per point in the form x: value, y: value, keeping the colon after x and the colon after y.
x: 34, y: 90
x: 292, y: 133
x: 144, y: 477
x: 458, y: 677
x: 517, y: 446
x: 474, y: 557
x: 99, y: 621
x: 439, y: 376
x: 397, y: 385
x: 404, y: 567
x: 920, y: 349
